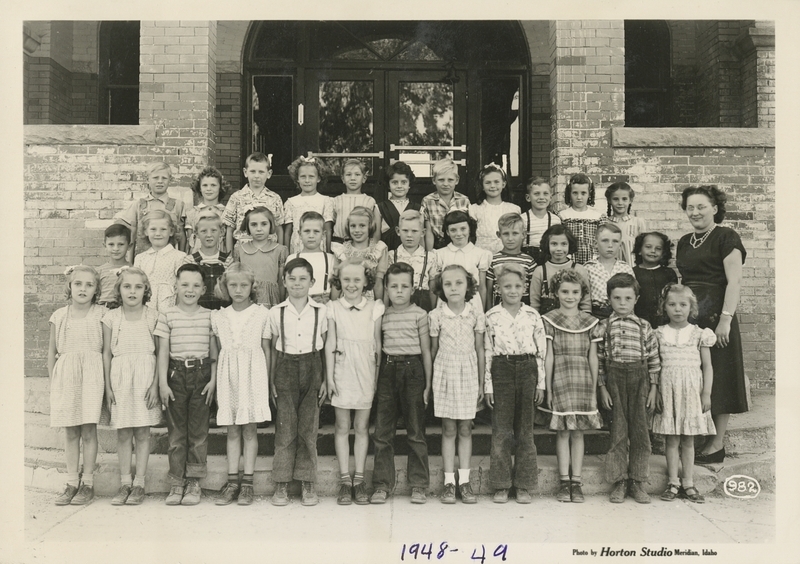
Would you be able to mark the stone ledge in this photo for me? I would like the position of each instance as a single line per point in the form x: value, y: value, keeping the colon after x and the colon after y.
x: 90, y: 135
x: 692, y: 137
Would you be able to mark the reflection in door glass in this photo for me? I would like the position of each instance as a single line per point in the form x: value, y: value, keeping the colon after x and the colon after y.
x: 500, y: 105
x: 426, y: 119
x: 346, y: 120
x: 272, y: 119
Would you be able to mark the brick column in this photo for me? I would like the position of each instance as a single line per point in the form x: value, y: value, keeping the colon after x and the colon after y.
x: 177, y: 91
x: 587, y: 94
x: 756, y: 47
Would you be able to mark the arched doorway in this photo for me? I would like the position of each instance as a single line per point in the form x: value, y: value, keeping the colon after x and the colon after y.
x: 414, y: 91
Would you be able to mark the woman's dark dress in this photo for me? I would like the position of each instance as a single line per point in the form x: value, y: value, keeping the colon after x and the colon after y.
x: 651, y: 283
x: 703, y: 271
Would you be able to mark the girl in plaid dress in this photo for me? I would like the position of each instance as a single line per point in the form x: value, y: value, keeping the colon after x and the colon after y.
x: 571, y: 369
x: 456, y: 331
x: 581, y: 218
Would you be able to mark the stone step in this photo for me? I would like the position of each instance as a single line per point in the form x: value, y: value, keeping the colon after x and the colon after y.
x: 44, y: 469
x: 38, y: 434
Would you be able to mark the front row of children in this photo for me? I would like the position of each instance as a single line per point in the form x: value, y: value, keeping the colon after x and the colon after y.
x: 139, y: 359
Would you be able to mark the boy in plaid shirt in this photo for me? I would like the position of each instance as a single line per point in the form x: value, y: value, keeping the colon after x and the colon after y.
x: 629, y: 369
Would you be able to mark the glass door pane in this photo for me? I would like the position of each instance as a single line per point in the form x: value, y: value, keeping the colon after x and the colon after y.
x: 500, y: 124
x: 271, y: 126
x: 426, y: 122
x: 344, y: 117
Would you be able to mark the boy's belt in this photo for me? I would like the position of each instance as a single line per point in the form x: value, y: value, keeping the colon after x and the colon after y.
x: 392, y: 358
x: 293, y: 356
x: 515, y: 357
x: 189, y: 362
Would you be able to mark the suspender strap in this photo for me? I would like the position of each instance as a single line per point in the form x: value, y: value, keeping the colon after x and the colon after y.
x: 424, y: 270
x: 325, y: 281
x: 549, y: 219
x: 314, y: 333
x: 545, y: 284
x: 528, y: 217
x: 395, y: 255
x: 283, y: 332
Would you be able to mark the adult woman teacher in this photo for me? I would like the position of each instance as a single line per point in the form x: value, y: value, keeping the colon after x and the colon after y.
x: 710, y: 262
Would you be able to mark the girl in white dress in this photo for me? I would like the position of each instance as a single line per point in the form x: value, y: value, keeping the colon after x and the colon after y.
x: 243, y: 334
x: 129, y: 363
x: 75, y: 366
x: 686, y: 378
x: 493, y: 202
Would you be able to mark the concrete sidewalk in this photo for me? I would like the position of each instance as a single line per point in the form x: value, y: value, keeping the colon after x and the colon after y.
x: 722, y: 522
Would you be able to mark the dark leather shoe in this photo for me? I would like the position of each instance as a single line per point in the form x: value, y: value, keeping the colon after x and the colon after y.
x: 710, y: 458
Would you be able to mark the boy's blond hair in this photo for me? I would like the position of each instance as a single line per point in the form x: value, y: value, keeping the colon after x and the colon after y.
x: 508, y: 220
x: 411, y: 215
x: 155, y: 167
x: 443, y: 167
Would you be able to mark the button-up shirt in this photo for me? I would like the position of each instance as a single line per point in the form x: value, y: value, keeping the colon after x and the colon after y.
x: 239, y: 201
x: 417, y: 261
x: 599, y: 277
x: 433, y: 209
x: 474, y: 259
x: 514, y: 335
x: 625, y: 343
x: 298, y: 327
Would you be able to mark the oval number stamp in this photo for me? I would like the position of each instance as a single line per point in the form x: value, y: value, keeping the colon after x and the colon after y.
x: 742, y: 487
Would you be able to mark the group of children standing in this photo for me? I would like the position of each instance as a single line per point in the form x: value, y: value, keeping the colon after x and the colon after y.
x: 356, y: 302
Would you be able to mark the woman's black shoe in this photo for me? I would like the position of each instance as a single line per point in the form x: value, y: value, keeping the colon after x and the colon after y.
x: 710, y: 458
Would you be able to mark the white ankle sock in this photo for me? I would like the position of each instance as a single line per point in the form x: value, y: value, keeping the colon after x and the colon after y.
x: 449, y: 478
x: 138, y: 481
x: 72, y: 479
x: 463, y: 476
x: 88, y: 479
x: 125, y: 480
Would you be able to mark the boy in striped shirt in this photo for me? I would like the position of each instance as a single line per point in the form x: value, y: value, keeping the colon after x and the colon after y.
x: 404, y: 385
x: 511, y: 231
x: 186, y: 354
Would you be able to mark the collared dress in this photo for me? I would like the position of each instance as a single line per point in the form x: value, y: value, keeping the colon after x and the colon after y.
x: 574, y: 397
x: 242, y: 378
x: 77, y: 384
x: 133, y: 367
x: 682, y: 381
x: 160, y: 267
x: 455, y: 368
x: 583, y: 225
x: 374, y: 257
x: 354, y: 369
x: 267, y: 262
x: 486, y: 215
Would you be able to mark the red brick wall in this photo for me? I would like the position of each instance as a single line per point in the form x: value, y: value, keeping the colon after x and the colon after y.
x: 747, y: 175
x: 229, y: 129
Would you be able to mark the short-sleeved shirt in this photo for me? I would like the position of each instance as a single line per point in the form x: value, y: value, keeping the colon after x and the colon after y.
x: 706, y: 263
x: 474, y: 259
x: 188, y: 333
x: 298, y: 327
x: 343, y: 204
x: 132, y: 215
x: 535, y: 227
x: 294, y: 209
x: 402, y: 330
x: 599, y: 277
x: 323, y: 270
x: 514, y: 335
x: 239, y: 201
x: 487, y: 215
x: 433, y: 209
x: 420, y: 260
x: 108, y: 278
x: 626, y: 344
x: 503, y: 258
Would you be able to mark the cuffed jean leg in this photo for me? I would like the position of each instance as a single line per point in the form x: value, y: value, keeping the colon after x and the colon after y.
x: 412, y: 405
x: 177, y: 425
x: 617, y: 456
x: 197, y: 454
x: 310, y: 380
x: 502, y: 423
x: 287, y: 403
x: 526, y: 469
x: 639, y: 462
x: 383, y: 474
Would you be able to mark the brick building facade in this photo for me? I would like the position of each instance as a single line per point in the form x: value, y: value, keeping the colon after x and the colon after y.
x: 199, y: 90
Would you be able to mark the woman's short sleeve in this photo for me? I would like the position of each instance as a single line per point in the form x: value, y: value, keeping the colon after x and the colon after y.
x: 485, y: 260
x: 598, y: 332
x: 58, y: 316
x: 707, y: 338
x: 110, y: 317
x: 329, y: 307
x: 327, y: 209
x: 729, y: 241
x: 266, y: 329
x: 283, y: 252
x: 377, y: 310
x: 213, y: 318
x: 434, y: 322
x: 383, y: 259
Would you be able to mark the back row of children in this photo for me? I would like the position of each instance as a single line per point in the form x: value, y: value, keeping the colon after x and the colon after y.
x: 267, y: 285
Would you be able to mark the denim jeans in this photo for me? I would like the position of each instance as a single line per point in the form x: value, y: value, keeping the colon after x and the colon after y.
x: 629, y: 455
x: 297, y: 381
x: 514, y: 384
x: 187, y: 421
x: 400, y: 387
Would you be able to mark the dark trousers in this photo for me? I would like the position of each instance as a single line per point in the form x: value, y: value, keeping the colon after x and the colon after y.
x: 297, y: 381
x: 400, y: 387
x: 629, y: 455
x: 514, y: 384
x: 187, y: 421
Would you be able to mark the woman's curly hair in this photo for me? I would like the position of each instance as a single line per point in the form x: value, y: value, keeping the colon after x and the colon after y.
x: 472, y: 284
x: 716, y: 196
x: 368, y: 272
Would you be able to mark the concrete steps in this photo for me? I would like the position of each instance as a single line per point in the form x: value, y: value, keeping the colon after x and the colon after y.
x: 44, y: 469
